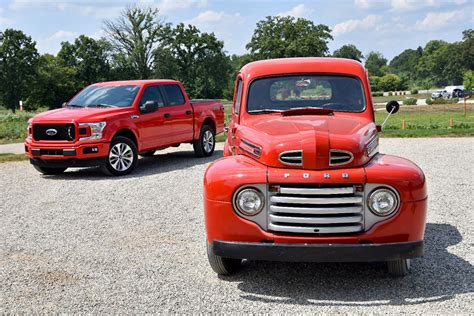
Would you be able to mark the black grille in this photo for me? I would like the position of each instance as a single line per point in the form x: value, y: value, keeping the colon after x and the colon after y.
x: 65, y: 132
x: 52, y: 152
x: 340, y: 157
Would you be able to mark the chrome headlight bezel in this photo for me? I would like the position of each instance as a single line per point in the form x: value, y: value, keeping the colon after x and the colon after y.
x: 383, y: 190
x: 372, y: 147
x: 96, y: 128
x: 238, y: 205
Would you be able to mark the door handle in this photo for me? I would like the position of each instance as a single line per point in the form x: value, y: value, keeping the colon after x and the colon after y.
x: 188, y: 112
x: 167, y: 115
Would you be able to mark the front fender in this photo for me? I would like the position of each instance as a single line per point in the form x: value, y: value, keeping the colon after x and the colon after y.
x: 402, y: 174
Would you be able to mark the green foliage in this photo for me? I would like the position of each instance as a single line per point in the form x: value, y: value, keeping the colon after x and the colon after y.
x: 405, y: 63
x: 468, y: 80
x: 277, y: 37
x: 377, y: 94
x: 414, y: 91
x: 349, y: 51
x: 409, y: 101
x: 374, y: 63
x: 374, y: 83
x: 390, y: 82
x: 197, y: 59
x: 431, y: 101
x: 18, y: 58
x: 468, y: 49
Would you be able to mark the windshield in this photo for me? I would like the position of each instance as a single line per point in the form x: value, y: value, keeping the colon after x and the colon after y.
x: 337, y: 93
x: 105, y: 96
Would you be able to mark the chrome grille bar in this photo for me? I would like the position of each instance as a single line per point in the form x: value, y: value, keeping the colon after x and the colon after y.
x: 316, y: 210
x: 316, y: 201
x: 318, y: 191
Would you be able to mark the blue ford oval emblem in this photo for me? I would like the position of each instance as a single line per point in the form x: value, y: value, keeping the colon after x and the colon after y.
x: 51, y: 132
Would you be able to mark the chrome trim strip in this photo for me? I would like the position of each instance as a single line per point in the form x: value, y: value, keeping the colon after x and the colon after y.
x: 316, y: 220
x: 291, y: 158
x: 318, y: 191
x: 315, y: 210
x: 340, y: 163
x: 315, y: 229
x: 317, y: 201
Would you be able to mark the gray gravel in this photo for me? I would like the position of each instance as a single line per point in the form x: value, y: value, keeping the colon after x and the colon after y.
x: 81, y: 242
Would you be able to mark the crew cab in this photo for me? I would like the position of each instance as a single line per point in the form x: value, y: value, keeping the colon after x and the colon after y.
x: 109, y: 124
x: 302, y: 178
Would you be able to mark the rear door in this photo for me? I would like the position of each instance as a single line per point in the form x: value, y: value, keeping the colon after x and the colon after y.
x: 153, y: 131
x: 178, y: 113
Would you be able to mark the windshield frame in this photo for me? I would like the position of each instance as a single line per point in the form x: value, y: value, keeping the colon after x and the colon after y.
x: 71, y: 104
x: 364, y: 92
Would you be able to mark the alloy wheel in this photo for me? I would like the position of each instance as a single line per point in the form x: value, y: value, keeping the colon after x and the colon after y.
x: 121, y: 157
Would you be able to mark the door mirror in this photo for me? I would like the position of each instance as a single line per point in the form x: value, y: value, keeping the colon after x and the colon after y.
x: 64, y: 104
x: 149, y: 106
x: 392, y: 107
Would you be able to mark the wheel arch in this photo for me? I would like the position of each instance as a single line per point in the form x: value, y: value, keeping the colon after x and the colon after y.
x: 128, y: 133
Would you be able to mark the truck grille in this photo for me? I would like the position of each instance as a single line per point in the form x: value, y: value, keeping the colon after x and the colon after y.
x: 291, y: 158
x: 340, y: 157
x: 65, y: 132
x: 315, y: 209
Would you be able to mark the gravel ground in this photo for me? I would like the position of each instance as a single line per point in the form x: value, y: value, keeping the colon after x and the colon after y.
x: 81, y: 242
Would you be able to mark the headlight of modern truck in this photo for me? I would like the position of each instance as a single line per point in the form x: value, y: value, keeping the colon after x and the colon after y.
x: 383, y: 201
x: 249, y: 201
x: 96, y: 129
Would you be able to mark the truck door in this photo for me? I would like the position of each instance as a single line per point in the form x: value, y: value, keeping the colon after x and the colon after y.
x: 234, y: 122
x: 178, y: 114
x: 153, y: 132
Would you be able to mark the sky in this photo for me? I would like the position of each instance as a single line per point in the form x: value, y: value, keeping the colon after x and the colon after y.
x: 387, y: 26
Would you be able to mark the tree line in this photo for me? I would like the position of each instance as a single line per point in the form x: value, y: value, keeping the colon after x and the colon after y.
x: 140, y: 45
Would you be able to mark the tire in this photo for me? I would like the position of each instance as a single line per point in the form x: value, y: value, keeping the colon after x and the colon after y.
x: 204, y: 146
x: 149, y: 153
x: 49, y: 171
x: 400, y: 267
x: 122, y: 157
x: 220, y: 265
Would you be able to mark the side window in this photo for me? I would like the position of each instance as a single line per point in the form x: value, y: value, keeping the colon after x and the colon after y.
x: 152, y: 93
x: 238, y: 97
x: 173, y: 94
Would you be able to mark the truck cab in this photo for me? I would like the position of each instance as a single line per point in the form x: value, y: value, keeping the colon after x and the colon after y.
x: 109, y: 124
x: 302, y: 178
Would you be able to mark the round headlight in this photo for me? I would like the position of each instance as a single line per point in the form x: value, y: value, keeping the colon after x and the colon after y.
x: 249, y: 201
x: 383, y: 202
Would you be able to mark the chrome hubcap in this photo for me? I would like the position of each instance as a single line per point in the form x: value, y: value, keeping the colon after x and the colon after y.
x: 121, y: 157
x: 208, y: 141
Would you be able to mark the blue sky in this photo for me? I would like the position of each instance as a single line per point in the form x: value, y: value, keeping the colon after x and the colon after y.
x: 388, y: 26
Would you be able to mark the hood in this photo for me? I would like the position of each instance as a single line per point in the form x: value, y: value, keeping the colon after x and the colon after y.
x: 71, y: 115
x: 307, y: 141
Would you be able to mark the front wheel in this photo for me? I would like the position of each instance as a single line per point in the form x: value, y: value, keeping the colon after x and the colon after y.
x: 49, y: 171
x: 122, y: 157
x: 400, y: 267
x: 204, y: 146
x: 220, y: 265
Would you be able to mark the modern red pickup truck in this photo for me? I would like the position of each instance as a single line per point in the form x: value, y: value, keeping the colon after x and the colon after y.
x: 108, y: 124
x: 303, y: 179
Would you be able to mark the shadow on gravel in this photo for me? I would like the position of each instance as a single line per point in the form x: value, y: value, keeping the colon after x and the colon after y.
x: 147, y: 166
x: 438, y: 276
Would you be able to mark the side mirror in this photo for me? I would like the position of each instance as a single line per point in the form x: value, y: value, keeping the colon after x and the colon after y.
x: 392, y: 107
x: 64, y: 104
x: 149, y: 106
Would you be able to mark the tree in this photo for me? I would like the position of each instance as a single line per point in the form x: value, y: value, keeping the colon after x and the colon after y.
x: 277, y: 37
x: 135, y: 35
x: 405, y: 63
x: 18, y: 58
x: 54, y: 83
x: 197, y: 59
x: 349, y: 51
x: 89, y: 58
x: 374, y: 63
x: 468, y: 48
x: 390, y: 82
x: 469, y: 80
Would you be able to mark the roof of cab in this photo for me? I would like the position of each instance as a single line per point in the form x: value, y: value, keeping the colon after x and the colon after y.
x: 271, y: 67
x: 135, y: 82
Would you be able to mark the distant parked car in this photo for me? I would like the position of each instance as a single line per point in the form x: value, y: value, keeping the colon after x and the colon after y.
x: 439, y: 94
x: 465, y: 93
x: 453, y: 91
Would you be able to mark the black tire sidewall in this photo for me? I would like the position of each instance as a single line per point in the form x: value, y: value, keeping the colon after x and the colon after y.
x: 129, y: 142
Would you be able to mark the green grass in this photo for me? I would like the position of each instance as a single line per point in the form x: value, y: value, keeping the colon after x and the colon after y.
x: 399, y: 97
x: 13, y: 126
x: 12, y: 157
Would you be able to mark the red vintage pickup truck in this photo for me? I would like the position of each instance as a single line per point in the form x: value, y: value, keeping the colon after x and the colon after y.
x: 108, y: 124
x: 303, y: 179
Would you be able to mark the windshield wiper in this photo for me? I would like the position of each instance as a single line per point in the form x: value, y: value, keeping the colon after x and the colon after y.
x: 101, y: 105
x: 74, y: 106
x: 264, y: 111
x: 307, y: 111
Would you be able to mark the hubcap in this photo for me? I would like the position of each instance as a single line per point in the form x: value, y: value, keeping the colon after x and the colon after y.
x: 208, y: 141
x: 121, y: 157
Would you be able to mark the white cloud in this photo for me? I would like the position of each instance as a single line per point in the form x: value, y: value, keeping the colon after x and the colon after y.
x: 52, y: 43
x: 402, y: 5
x: 99, y: 9
x: 299, y: 11
x: 351, y: 25
x: 211, y: 18
x: 166, y: 6
x: 436, y: 20
x: 365, y: 4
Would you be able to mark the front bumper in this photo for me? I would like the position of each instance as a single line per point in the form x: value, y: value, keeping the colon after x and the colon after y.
x: 53, y: 152
x: 318, y: 252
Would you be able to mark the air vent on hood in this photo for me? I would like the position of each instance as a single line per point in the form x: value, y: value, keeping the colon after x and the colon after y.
x: 291, y: 158
x: 340, y: 157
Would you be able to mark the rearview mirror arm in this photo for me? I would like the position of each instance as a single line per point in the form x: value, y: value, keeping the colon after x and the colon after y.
x: 390, y: 113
